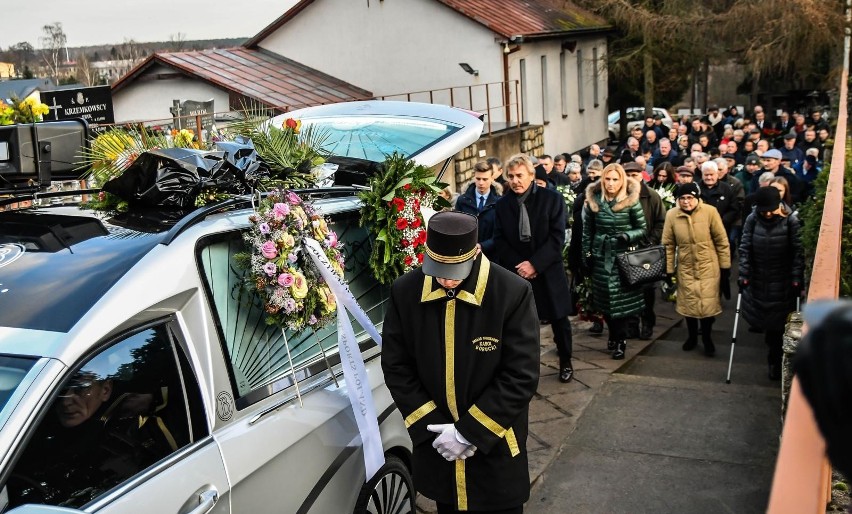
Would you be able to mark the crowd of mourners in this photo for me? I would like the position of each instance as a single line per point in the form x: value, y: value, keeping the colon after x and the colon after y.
x: 714, y: 190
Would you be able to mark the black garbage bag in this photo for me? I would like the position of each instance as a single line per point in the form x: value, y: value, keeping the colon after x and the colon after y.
x: 174, y: 177
x: 241, y: 154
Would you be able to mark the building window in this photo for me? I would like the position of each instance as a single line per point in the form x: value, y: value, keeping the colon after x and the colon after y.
x: 595, y: 76
x: 545, y: 116
x: 523, y: 72
x: 563, y: 83
x: 581, y: 105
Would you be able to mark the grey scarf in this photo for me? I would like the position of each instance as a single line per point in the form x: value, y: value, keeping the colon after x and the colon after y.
x: 524, y: 217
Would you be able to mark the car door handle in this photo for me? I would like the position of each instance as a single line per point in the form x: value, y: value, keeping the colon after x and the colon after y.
x: 206, y: 501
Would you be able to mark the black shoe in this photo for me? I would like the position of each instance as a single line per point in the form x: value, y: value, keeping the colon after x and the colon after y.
x: 597, y: 327
x: 610, y: 345
x: 774, y: 372
x: 620, y: 350
x: 690, y: 344
x: 566, y: 373
x: 709, y: 348
x: 646, y: 333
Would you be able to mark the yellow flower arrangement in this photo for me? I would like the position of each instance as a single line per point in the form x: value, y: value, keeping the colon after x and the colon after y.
x: 184, y: 138
x: 28, y: 110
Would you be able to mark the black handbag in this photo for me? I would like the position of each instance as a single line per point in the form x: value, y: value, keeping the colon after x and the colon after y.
x: 643, y: 266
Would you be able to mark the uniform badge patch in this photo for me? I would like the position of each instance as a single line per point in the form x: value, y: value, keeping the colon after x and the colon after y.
x: 485, y: 344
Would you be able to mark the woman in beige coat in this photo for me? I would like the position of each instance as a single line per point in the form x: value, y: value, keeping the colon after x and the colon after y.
x: 697, y: 247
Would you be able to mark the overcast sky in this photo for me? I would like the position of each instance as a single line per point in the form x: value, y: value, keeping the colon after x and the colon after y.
x: 95, y: 22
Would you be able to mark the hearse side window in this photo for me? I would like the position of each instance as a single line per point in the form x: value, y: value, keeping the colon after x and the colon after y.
x: 122, y: 411
x: 255, y: 350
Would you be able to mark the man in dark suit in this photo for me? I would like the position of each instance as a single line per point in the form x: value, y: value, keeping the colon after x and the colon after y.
x: 460, y: 357
x: 528, y: 240
x: 479, y: 200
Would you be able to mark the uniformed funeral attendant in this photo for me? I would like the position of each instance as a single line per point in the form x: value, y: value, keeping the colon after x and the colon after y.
x: 461, y: 359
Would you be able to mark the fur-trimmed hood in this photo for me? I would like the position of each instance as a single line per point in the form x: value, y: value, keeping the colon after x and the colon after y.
x: 593, y: 193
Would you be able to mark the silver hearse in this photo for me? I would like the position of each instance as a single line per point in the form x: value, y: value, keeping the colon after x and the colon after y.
x: 136, y: 376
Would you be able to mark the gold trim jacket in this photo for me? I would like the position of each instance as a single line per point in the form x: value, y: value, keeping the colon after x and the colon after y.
x: 469, y: 357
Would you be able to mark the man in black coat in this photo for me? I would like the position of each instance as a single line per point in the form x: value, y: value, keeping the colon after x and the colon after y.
x: 479, y: 200
x: 720, y: 195
x: 772, y: 163
x: 655, y: 218
x: 528, y: 240
x: 460, y: 357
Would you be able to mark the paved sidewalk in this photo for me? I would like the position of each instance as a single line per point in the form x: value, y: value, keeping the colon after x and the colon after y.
x: 665, y: 434
x: 556, y: 407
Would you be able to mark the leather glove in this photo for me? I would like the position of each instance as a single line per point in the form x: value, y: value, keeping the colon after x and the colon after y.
x: 449, y: 443
x: 621, y: 238
x: 725, y: 283
x: 742, y: 283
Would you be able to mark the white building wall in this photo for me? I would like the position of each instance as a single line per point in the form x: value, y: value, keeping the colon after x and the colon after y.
x: 390, y: 47
x: 572, y: 121
x: 144, y: 100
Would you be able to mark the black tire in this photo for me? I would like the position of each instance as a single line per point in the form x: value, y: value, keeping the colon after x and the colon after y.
x: 390, y: 491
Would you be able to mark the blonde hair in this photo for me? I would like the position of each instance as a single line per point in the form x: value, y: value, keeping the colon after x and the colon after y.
x: 517, y: 160
x: 621, y: 194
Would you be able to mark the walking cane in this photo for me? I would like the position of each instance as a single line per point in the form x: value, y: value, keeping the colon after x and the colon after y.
x: 734, y: 337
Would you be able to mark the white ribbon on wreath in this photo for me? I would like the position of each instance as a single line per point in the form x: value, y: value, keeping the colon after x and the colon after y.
x: 354, y: 371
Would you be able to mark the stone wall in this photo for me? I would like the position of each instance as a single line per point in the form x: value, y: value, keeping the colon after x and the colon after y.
x: 792, y: 336
x: 529, y: 140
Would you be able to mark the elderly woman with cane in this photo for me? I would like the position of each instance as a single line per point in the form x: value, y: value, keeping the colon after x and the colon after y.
x: 612, y: 221
x: 697, y: 249
x: 771, y: 270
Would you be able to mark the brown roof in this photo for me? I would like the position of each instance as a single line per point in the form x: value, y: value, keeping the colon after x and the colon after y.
x: 529, y: 18
x: 255, y: 74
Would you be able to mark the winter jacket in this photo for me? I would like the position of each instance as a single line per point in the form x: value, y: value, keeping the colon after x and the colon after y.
x: 467, y: 203
x: 739, y: 193
x: 602, y: 222
x: 701, y: 245
x: 797, y: 190
x: 655, y: 214
x: 546, y: 210
x: 722, y: 197
x: 771, y: 259
x: 794, y: 155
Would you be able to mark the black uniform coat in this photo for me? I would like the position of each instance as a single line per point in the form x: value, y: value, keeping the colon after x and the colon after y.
x: 467, y: 203
x: 771, y: 259
x: 546, y: 210
x: 471, y: 359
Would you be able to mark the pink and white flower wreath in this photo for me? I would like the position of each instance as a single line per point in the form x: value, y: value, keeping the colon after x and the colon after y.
x: 293, y: 292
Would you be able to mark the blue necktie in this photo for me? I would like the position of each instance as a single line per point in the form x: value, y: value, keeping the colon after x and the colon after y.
x: 481, y: 203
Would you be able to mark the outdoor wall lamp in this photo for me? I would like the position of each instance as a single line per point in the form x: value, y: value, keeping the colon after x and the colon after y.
x: 466, y: 67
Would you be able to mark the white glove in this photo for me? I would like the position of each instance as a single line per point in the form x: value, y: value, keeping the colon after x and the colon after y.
x: 449, y: 443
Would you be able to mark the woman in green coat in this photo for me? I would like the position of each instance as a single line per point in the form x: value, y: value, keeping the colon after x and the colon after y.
x: 612, y: 221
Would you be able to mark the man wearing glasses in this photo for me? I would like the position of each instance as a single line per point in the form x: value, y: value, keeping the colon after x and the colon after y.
x: 98, y: 439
